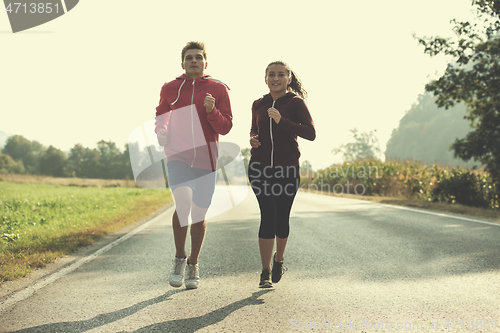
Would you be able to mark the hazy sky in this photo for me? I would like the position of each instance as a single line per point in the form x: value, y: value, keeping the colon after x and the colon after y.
x: 96, y: 72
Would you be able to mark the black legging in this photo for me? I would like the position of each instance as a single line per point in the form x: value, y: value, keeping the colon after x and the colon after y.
x: 275, y: 189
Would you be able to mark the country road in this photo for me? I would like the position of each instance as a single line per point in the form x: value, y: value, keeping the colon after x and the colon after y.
x: 352, y: 266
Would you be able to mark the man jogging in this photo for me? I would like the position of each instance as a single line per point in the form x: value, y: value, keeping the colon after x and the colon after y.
x: 193, y: 110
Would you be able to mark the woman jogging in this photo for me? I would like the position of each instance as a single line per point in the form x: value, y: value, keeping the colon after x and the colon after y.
x: 277, y: 119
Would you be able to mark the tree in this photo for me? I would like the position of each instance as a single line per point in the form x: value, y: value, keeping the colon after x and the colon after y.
x: 425, y: 133
x: 110, y: 160
x: 474, y: 78
x: 126, y: 166
x: 21, y: 149
x: 53, y: 162
x: 365, y: 145
x: 83, y: 162
x: 8, y: 165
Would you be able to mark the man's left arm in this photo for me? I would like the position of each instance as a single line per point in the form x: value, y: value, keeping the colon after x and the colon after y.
x: 221, y: 118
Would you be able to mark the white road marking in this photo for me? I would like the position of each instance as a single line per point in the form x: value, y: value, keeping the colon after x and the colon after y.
x: 423, y: 211
x: 439, y: 214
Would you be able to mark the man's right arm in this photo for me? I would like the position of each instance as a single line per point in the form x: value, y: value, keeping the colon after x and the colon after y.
x: 162, y: 117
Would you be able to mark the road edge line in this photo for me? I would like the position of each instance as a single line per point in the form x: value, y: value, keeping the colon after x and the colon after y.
x: 437, y: 214
x: 417, y: 210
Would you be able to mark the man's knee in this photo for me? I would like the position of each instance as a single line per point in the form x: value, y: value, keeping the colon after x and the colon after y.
x: 198, y: 226
x: 183, y: 208
x: 198, y: 214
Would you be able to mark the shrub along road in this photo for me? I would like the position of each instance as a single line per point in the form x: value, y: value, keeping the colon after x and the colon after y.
x: 352, y: 265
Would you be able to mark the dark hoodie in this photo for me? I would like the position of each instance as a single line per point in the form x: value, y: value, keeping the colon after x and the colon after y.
x: 279, y: 146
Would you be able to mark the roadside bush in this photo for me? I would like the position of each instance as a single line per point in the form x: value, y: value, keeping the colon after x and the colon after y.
x: 408, y: 179
x: 466, y: 187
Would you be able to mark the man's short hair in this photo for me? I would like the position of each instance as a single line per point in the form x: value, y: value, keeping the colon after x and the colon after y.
x: 194, y: 45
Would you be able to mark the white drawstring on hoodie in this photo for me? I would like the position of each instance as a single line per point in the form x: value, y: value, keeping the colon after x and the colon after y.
x: 192, y: 125
x: 179, y: 92
x: 272, y: 141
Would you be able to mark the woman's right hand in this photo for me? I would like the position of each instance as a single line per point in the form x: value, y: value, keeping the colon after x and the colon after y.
x: 254, y: 141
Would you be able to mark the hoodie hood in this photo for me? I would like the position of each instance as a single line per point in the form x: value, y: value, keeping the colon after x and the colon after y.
x: 288, y: 95
x: 201, y: 80
x: 187, y: 78
x: 204, y: 78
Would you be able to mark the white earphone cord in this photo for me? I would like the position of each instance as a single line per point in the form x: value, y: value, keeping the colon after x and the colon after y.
x: 272, y: 141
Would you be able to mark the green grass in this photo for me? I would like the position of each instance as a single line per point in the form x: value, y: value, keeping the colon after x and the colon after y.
x: 39, y: 222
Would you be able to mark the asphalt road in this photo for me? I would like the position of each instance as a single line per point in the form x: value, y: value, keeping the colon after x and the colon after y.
x: 352, y: 266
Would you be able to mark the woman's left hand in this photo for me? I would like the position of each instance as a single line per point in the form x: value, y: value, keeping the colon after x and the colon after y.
x: 275, y: 114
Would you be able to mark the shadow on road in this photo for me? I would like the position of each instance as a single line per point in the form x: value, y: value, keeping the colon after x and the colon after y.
x: 189, y: 325
x: 100, y: 320
x: 186, y: 325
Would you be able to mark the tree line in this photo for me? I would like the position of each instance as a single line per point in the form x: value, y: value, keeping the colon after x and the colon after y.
x: 22, y: 156
x: 473, y: 78
x: 426, y: 133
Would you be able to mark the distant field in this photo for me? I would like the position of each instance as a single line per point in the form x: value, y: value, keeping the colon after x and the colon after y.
x: 34, y: 179
x: 41, y: 222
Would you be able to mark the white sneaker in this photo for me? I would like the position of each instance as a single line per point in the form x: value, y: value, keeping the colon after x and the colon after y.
x: 177, y: 273
x: 193, y: 276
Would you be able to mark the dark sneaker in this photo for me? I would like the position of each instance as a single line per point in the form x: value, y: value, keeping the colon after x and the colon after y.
x: 265, y: 281
x: 278, y: 269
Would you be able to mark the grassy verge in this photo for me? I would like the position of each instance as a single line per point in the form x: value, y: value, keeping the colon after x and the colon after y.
x: 40, y: 222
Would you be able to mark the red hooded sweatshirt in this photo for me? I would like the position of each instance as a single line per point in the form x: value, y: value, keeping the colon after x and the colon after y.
x: 193, y: 135
x: 279, y: 146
